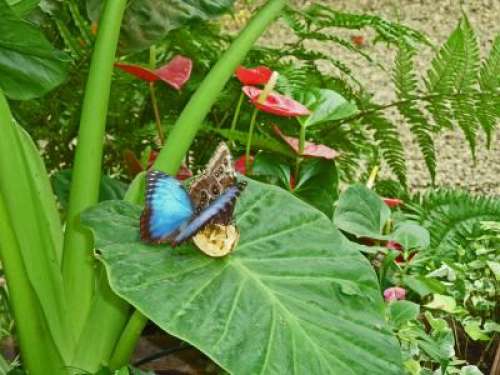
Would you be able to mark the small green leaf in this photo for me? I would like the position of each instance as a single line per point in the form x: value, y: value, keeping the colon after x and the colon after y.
x: 423, y: 285
x: 401, y: 312
x: 293, y: 297
x: 361, y: 212
x: 495, y: 268
x: 411, y: 235
x: 470, y: 370
x: 29, y: 65
x: 491, y: 326
x: 474, y: 330
x: 325, y: 105
x: 442, y: 302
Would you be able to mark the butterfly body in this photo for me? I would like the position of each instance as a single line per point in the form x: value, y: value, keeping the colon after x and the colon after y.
x: 173, y: 215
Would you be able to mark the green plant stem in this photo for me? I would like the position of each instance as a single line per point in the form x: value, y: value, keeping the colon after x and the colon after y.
x: 126, y: 344
x: 237, y: 111
x: 302, y: 142
x: 154, y: 102
x: 78, y: 261
x: 248, y: 164
x: 191, y: 118
x: 152, y: 94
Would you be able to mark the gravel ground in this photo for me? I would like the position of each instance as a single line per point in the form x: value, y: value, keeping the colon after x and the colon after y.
x: 437, y: 18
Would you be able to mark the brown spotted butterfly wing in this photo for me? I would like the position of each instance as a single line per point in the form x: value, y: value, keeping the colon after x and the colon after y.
x: 218, y: 176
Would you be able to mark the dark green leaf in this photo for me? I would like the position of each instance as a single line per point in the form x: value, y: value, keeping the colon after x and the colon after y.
x: 29, y: 65
x: 109, y: 188
x: 147, y: 22
x: 325, y: 105
x: 267, y: 165
x: 361, y: 212
x: 318, y: 184
x: 293, y: 298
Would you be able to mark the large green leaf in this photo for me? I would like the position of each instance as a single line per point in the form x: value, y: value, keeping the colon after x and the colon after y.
x: 361, y: 212
x: 148, y: 21
x: 325, y: 105
x: 29, y: 65
x: 22, y: 7
x: 293, y: 298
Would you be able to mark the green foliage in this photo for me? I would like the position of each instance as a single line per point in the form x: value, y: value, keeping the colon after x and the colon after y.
x: 148, y: 22
x: 29, y: 65
x: 454, y: 216
x: 252, y: 301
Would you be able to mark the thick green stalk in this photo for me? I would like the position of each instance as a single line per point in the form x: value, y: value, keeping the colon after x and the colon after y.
x: 106, y: 320
x: 185, y: 129
x: 39, y: 353
x: 24, y: 206
x: 188, y: 123
x: 78, y: 262
x: 126, y: 345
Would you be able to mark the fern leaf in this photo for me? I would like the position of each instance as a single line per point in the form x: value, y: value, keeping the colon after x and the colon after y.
x: 489, y: 80
x: 454, y: 216
x: 387, y: 31
x: 452, y: 79
x: 387, y: 136
x: 406, y: 87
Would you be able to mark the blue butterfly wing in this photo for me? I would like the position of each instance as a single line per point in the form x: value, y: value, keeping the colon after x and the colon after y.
x: 224, y: 202
x: 168, y: 208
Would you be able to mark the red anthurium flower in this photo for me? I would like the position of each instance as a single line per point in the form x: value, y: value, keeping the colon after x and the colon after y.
x: 151, y: 158
x: 394, y: 293
x: 393, y: 245
x: 240, y: 164
x: 176, y: 73
x: 275, y: 103
x: 310, y: 149
x: 393, y: 202
x: 133, y: 164
x: 253, y: 76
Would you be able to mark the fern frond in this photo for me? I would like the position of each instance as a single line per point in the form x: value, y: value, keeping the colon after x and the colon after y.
x: 454, y: 216
x: 388, y: 31
x: 452, y: 78
x: 489, y: 80
x: 387, y: 136
x: 405, y: 81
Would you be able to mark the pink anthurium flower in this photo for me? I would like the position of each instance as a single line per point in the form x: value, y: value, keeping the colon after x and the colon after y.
x: 253, y: 76
x: 311, y: 150
x: 275, y: 103
x: 175, y: 73
x: 394, y: 293
x: 393, y: 202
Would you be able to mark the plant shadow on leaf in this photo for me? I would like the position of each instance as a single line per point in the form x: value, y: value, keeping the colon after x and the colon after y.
x: 294, y: 297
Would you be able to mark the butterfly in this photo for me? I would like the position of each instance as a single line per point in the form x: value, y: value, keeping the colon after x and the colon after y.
x: 172, y: 215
